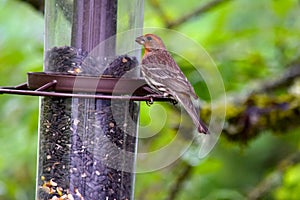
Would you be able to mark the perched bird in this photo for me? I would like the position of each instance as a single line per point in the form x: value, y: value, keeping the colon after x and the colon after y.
x: 164, y: 76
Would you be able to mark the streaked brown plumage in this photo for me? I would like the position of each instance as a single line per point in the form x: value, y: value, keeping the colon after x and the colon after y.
x: 163, y: 74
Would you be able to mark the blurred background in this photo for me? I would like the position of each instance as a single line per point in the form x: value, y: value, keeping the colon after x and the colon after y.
x: 255, y: 45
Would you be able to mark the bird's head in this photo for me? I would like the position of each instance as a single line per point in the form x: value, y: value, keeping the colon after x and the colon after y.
x: 151, y: 42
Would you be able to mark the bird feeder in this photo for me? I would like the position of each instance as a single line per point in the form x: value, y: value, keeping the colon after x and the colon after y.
x: 89, y: 107
x: 86, y: 146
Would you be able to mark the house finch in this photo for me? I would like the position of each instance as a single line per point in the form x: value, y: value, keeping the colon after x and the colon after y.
x: 164, y: 76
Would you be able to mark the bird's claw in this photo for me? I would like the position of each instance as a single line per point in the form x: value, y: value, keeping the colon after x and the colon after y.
x: 150, y: 102
x: 174, y: 102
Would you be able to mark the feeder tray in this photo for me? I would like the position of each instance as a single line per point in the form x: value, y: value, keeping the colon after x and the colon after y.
x: 103, y: 87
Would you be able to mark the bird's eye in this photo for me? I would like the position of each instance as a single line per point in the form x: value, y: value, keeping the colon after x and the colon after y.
x: 149, y: 38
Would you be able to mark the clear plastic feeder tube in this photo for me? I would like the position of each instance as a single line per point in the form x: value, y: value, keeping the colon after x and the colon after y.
x: 87, y: 147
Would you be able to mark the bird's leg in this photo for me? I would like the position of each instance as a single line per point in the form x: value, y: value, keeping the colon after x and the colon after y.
x: 150, y: 102
x: 151, y: 97
x: 174, y: 101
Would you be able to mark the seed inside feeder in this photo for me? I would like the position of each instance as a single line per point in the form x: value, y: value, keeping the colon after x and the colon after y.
x: 77, y: 135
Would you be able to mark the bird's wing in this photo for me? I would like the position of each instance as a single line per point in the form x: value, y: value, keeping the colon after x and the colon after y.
x: 162, y: 69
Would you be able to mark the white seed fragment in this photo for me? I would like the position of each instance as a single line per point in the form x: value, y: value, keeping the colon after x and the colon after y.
x: 76, y: 122
x: 52, y: 183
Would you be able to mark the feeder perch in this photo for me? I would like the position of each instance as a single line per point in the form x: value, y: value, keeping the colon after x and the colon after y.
x: 58, y: 85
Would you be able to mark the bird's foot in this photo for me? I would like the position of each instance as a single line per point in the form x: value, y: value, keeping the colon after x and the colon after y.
x: 174, y: 101
x: 151, y: 101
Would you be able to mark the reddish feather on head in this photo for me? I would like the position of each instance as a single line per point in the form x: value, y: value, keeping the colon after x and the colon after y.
x: 151, y: 42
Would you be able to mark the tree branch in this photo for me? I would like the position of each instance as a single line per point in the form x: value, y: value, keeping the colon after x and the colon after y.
x: 251, y: 114
x: 274, y: 179
x: 181, y: 178
x: 157, y: 7
x: 37, y: 4
x: 286, y: 79
x: 262, y: 110
x: 198, y: 11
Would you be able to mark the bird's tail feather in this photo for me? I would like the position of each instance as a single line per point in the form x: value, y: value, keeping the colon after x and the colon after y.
x: 202, y: 128
x: 193, y: 111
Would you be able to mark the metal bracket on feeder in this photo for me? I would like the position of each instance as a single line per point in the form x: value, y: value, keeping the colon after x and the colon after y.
x: 62, y: 85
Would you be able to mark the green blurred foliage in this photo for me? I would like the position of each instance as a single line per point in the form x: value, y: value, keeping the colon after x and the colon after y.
x: 248, y: 40
x: 291, y: 186
x: 21, y: 50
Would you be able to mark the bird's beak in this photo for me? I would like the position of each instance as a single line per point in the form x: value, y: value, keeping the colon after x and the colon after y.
x: 140, y: 40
